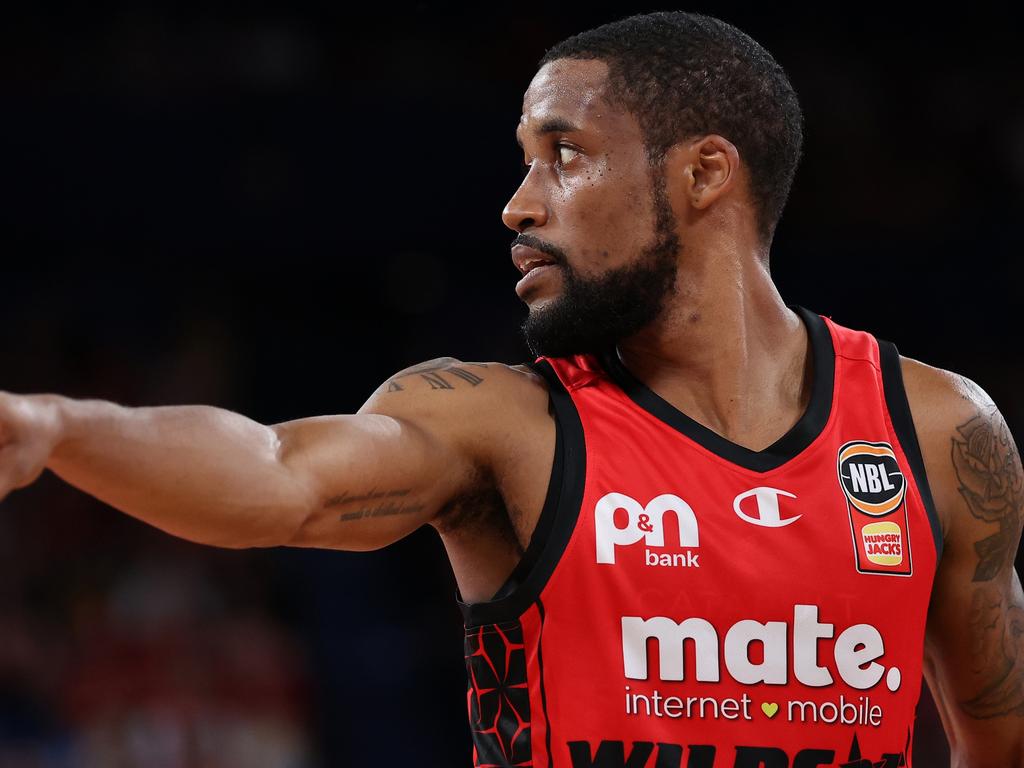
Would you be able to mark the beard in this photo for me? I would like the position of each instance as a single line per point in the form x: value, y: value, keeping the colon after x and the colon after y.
x: 593, y: 314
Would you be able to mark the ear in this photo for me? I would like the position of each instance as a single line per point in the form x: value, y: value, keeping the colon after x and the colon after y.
x: 705, y: 168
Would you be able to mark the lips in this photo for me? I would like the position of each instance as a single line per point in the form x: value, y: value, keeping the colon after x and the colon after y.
x: 526, y: 258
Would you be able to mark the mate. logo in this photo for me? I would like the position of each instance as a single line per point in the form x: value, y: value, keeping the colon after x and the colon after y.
x: 875, y: 487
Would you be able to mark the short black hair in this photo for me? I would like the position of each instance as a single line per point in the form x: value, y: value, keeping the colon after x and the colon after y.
x: 688, y: 74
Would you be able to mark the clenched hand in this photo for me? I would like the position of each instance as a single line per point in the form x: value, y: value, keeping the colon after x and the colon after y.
x: 29, y: 428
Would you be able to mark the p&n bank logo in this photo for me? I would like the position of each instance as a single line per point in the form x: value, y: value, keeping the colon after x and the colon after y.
x: 647, y: 522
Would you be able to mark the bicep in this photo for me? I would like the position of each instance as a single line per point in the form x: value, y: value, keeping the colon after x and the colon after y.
x: 974, y: 650
x: 411, y: 451
x: 371, y: 478
x: 974, y: 654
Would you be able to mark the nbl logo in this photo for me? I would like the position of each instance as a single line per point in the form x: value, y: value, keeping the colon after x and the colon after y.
x: 871, y: 477
x: 875, y: 490
x: 639, y: 521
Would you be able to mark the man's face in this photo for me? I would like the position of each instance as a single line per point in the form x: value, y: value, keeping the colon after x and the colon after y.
x: 591, y: 205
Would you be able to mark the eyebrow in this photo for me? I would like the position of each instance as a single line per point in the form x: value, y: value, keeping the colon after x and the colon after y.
x: 550, y: 125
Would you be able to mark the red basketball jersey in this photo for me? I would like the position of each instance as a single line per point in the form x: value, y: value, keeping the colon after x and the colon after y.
x: 686, y: 602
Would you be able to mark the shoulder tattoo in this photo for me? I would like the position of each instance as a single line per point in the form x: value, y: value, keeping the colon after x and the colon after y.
x: 988, y: 469
x: 445, y: 373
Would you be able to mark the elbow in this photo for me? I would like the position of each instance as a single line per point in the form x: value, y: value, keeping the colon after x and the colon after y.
x: 256, y: 542
x: 262, y: 527
x: 252, y: 540
x: 278, y: 514
x: 279, y: 529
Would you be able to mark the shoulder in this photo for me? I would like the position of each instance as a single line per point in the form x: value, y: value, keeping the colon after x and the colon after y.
x: 452, y: 374
x: 469, y: 379
x: 943, y: 402
x: 964, y: 439
x: 938, y: 387
x: 469, y: 403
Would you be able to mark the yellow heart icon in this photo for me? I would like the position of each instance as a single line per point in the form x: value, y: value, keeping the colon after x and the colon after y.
x: 770, y: 709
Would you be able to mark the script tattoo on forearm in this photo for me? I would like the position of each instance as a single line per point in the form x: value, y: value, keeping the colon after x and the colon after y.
x: 988, y: 468
x: 446, y: 375
x: 374, y: 504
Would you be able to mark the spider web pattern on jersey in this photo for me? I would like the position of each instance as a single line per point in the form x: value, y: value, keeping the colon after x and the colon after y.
x: 498, y: 698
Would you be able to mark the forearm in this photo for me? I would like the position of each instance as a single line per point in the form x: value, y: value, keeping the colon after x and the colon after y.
x: 195, y: 471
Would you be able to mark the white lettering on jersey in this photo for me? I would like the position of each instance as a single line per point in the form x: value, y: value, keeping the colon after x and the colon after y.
x: 643, y: 522
x: 869, y: 478
x: 855, y: 651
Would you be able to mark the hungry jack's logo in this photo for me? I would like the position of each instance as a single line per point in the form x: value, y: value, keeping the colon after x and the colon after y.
x: 875, y: 490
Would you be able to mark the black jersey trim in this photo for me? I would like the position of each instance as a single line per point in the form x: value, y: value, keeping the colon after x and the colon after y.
x: 557, y: 518
x: 903, y: 423
x: 546, y: 519
x: 800, y: 435
x: 543, y: 691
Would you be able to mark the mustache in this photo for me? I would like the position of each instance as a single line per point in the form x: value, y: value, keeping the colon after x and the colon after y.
x: 537, y: 244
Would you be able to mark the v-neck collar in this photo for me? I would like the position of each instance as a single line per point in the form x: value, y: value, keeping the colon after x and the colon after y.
x: 800, y: 435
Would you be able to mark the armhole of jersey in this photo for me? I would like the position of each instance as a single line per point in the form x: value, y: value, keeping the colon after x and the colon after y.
x: 557, y: 518
x: 903, y: 422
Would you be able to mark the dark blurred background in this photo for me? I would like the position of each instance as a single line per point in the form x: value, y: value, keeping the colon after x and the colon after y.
x: 271, y: 208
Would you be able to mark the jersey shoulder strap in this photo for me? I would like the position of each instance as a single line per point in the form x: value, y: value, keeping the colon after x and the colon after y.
x: 903, y: 424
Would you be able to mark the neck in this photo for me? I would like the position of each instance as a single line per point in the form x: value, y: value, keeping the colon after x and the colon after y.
x: 733, y: 357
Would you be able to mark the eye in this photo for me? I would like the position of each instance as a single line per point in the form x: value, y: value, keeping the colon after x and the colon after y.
x: 524, y: 169
x: 565, y: 148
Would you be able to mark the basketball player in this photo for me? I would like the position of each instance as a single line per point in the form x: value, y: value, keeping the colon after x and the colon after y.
x: 704, y: 527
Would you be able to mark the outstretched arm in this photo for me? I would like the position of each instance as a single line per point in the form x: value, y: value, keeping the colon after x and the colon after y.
x: 348, y: 481
x: 974, y: 648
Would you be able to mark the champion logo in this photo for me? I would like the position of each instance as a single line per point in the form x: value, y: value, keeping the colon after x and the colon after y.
x: 765, y: 507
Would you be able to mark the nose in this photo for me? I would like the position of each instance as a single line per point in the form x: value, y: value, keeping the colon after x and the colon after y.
x: 526, y: 208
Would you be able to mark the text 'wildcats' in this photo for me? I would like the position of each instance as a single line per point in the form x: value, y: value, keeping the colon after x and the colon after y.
x: 647, y: 754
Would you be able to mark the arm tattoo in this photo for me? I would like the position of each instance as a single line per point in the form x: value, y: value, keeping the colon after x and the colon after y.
x: 445, y: 375
x: 988, y: 468
x: 374, y: 504
x: 997, y: 654
x: 987, y: 465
